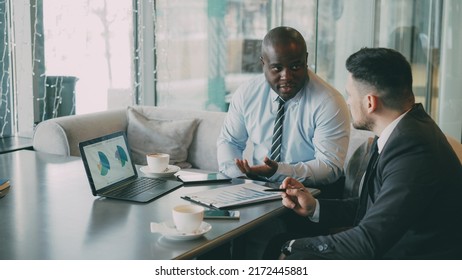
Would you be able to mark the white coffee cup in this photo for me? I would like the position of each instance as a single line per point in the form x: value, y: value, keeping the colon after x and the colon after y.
x: 158, y: 162
x: 188, y: 217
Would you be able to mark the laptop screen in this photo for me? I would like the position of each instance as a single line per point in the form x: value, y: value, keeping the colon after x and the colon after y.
x: 108, y: 160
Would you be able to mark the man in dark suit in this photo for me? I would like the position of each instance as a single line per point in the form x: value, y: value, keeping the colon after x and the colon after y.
x: 410, y: 204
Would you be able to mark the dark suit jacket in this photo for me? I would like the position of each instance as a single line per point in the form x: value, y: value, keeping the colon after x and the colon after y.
x: 414, y: 208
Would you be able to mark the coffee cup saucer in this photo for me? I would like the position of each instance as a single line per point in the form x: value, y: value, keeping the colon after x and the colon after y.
x: 169, y: 231
x: 171, y: 169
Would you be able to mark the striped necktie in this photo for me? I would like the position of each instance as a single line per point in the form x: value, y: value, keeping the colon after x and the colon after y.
x: 277, y: 133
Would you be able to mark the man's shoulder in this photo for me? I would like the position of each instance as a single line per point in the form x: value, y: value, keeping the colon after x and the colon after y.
x: 319, y: 93
x: 417, y: 124
x: 417, y: 130
x: 258, y: 80
x: 319, y: 85
x: 254, y: 85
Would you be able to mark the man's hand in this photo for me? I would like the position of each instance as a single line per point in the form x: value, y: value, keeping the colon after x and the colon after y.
x: 253, y: 172
x: 297, y: 197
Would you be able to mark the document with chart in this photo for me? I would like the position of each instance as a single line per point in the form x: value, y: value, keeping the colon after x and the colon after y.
x: 231, y: 196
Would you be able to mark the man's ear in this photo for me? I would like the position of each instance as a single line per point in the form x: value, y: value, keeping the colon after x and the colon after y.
x: 372, y: 103
x: 261, y: 60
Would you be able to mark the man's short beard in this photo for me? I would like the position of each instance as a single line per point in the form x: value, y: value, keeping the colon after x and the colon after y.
x: 364, y: 125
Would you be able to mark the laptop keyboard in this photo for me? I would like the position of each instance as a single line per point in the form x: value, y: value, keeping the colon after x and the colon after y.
x: 142, y: 184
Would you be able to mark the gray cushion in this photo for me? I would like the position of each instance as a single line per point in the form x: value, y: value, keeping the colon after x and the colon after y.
x: 149, y: 135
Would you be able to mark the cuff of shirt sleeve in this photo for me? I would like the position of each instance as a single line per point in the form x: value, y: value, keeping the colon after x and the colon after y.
x: 287, y: 248
x: 231, y: 170
x: 283, y: 169
x: 288, y: 170
x: 276, y: 174
x: 315, y: 217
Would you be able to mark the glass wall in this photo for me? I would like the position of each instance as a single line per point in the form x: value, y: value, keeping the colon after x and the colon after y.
x: 340, y: 33
x: 86, y: 56
x: 413, y: 28
x: 423, y: 31
x: 6, y: 90
x: 207, y: 48
x: 449, y: 115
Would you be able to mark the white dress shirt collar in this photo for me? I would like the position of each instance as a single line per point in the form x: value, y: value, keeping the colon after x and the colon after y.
x: 387, y: 132
x: 295, y: 99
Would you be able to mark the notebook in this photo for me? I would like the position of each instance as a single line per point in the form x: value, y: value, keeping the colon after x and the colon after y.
x: 112, y: 174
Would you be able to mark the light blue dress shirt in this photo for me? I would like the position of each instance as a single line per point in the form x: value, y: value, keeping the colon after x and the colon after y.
x: 315, y: 137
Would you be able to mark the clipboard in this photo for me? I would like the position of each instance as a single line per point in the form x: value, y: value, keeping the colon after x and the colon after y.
x: 233, y: 196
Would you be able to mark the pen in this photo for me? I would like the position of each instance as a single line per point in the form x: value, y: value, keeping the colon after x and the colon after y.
x: 282, y: 190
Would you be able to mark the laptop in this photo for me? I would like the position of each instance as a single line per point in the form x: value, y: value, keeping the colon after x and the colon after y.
x: 112, y: 173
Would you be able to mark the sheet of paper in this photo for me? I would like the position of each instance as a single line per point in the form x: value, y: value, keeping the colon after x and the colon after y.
x: 233, y: 195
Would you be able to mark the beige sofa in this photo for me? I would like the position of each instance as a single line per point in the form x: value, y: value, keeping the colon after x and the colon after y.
x: 62, y: 135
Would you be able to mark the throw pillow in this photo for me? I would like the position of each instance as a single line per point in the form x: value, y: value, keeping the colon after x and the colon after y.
x: 159, y: 136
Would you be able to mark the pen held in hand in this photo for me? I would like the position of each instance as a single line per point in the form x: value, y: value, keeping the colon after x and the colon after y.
x: 275, y: 190
x: 282, y: 190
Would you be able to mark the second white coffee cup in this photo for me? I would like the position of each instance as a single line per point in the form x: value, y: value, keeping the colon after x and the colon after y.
x: 187, y: 218
x: 158, y: 162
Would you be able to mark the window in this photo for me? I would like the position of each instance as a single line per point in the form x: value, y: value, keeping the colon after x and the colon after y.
x: 75, y: 57
x: 88, y: 55
x: 205, y: 49
x: 425, y: 32
x: 6, y: 124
